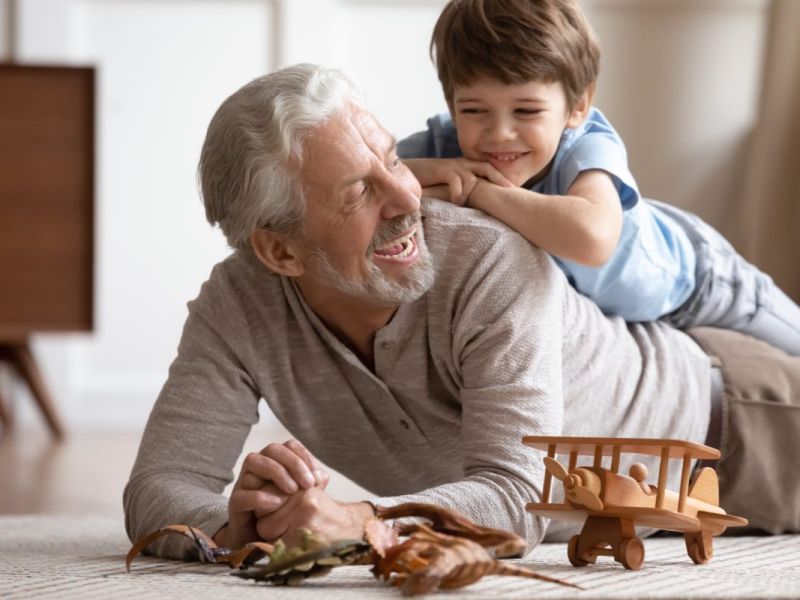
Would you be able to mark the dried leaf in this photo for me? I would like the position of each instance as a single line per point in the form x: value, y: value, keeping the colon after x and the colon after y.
x: 291, y: 567
x: 444, y: 520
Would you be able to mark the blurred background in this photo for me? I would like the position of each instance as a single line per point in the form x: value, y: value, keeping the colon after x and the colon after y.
x: 704, y: 92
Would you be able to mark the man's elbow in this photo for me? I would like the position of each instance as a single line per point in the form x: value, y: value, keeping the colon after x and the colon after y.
x: 535, y: 532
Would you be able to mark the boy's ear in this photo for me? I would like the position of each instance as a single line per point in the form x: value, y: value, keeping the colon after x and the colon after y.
x: 276, y: 252
x: 581, y: 108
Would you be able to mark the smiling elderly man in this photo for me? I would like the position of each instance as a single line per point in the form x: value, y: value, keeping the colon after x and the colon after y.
x: 408, y: 345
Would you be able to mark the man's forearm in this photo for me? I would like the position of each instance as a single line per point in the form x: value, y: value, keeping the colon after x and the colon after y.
x: 158, y: 500
x: 498, y: 505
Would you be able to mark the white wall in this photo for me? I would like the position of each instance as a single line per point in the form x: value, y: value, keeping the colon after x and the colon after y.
x: 5, y: 42
x: 679, y: 80
x: 162, y: 69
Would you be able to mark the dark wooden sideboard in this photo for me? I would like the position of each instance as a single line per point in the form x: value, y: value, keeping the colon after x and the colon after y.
x: 47, y: 141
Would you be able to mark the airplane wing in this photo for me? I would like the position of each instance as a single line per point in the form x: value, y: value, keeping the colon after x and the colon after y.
x: 717, y: 523
x: 588, y: 446
x: 659, y: 518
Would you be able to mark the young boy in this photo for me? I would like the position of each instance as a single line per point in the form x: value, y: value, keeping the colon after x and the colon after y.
x: 524, y: 144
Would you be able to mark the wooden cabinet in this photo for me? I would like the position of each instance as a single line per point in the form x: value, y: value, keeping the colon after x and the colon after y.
x: 46, y: 211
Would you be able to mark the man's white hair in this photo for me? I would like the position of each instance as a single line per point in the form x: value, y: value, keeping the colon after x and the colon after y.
x: 254, y: 147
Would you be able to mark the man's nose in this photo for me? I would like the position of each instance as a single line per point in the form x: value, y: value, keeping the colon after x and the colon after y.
x: 400, y: 195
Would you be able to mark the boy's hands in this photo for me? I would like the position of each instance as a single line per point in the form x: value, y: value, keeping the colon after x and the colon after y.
x: 483, y: 192
x: 453, y: 179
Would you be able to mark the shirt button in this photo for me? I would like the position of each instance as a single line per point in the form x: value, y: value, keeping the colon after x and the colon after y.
x: 404, y: 424
x: 386, y: 345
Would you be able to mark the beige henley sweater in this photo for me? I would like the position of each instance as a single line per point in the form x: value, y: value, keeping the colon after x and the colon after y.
x: 500, y: 347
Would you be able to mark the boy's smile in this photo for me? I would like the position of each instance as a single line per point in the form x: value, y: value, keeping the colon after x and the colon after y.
x: 515, y: 127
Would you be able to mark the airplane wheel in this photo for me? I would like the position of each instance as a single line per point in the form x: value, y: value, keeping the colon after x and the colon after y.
x: 572, y: 553
x: 699, y: 546
x: 632, y: 553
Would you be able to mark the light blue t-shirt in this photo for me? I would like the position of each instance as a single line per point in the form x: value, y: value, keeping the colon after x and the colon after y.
x: 652, y: 270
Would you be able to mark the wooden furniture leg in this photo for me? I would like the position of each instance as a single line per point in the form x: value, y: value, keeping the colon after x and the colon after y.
x: 20, y: 355
x: 5, y: 414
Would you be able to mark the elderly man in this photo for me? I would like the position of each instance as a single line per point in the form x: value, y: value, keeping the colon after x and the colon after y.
x: 409, y: 345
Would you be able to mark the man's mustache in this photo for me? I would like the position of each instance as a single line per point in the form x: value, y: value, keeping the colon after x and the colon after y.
x: 393, y: 229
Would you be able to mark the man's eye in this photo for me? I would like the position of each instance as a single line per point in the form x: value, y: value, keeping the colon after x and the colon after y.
x: 355, y: 199
x: 356, y: 194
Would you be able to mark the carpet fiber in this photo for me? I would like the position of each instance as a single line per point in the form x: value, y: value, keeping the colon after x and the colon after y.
x: 71, y: 557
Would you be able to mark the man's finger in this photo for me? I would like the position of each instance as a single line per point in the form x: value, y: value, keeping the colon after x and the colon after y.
x: 263, y: 500
x: 258, y: 469
x: 270, y: 529
x: 292, y: 463
x: 317, y: 470
x: 276, y: 523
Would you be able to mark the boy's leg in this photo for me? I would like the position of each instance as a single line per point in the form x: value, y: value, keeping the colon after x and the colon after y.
x: 732, y: 293
x: 759, y: 471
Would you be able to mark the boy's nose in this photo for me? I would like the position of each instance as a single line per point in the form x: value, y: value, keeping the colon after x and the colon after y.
x: 501, y: 130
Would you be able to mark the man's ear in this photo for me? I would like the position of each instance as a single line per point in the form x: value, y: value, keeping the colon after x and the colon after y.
x: 581, y: 108
x: 276, y: 252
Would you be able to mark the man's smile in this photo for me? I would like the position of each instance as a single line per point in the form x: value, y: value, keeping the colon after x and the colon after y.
x: 403, y: 248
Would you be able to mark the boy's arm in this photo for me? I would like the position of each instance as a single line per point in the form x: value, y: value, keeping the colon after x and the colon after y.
x: 458, y: 174
x: 583, y: 226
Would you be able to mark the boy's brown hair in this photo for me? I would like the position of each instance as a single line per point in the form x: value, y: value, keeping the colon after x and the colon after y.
x: 513, y: 42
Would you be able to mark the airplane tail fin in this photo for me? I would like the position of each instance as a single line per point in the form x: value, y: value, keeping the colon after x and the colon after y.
x: 706, y: 486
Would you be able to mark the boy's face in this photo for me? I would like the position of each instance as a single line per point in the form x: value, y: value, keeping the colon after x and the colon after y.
x: 515, y: 127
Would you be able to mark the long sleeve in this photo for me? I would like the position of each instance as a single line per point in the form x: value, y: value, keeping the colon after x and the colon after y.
x: 193, y: 437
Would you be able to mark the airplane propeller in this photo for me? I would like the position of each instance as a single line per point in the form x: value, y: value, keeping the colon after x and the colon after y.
x: 574, y: 487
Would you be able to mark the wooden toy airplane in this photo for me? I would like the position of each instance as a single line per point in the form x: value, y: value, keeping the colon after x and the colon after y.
x: 610, y: 504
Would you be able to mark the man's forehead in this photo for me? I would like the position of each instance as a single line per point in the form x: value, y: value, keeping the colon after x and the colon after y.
x: 343, y: 145
x: 359, y: 126
x: 370, y: 127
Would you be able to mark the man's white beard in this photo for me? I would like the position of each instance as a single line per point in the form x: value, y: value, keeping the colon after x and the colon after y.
x: 376, y: 286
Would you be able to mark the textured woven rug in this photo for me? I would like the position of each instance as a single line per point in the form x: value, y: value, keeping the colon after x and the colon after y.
x: 83, y: 557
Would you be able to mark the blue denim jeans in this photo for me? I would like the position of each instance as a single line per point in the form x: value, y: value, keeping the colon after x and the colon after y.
x: 730, y: 292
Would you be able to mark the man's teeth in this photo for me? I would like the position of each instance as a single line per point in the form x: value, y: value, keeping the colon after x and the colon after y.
x: 399, y: 248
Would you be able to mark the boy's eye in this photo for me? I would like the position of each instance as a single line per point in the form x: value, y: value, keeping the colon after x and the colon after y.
x: 528, y: 111
x: 472, y: 111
